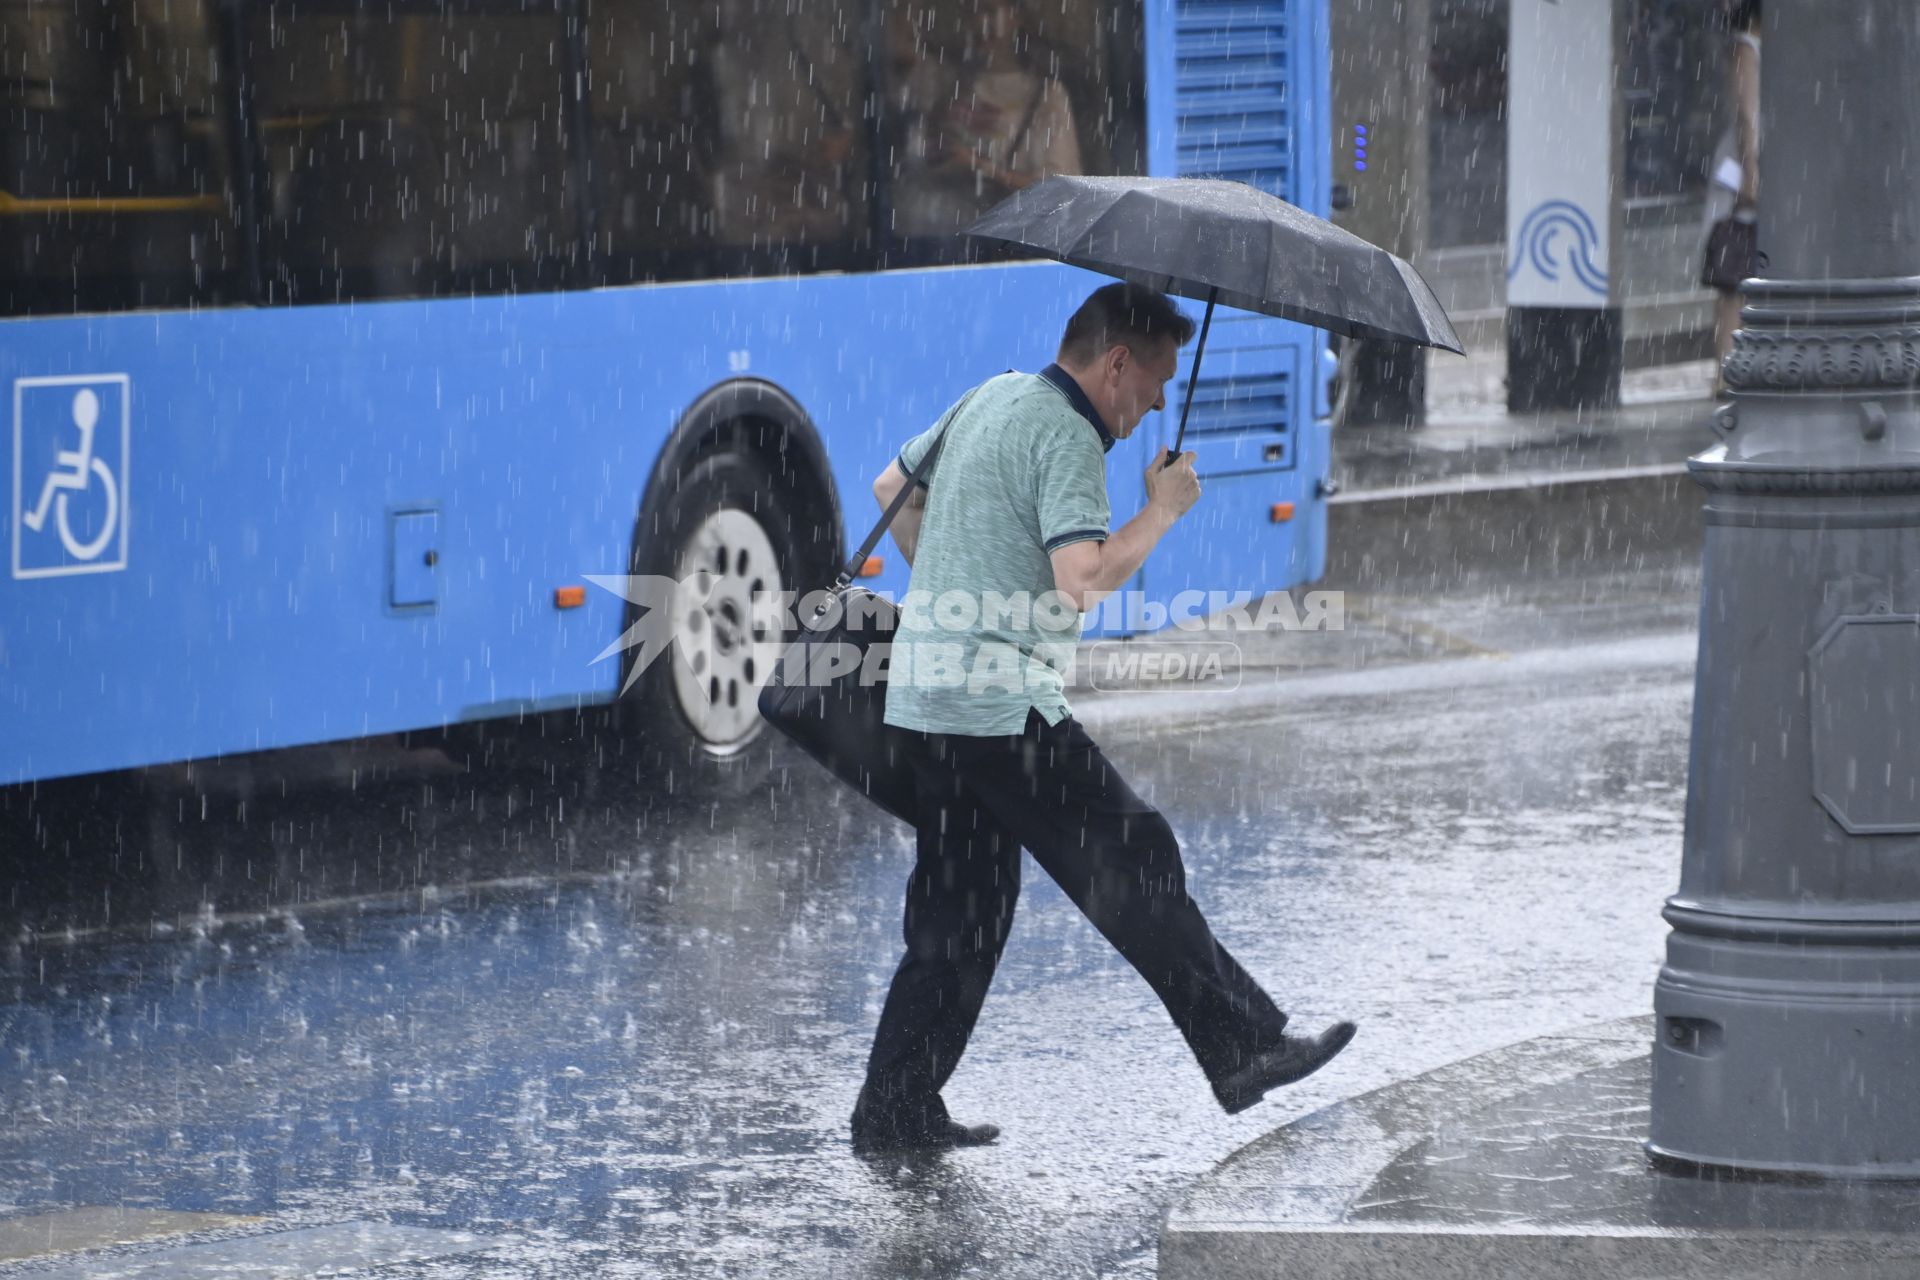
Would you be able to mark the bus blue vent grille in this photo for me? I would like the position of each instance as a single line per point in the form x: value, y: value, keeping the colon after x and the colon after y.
x: 1234, y: 73
x: 1236, y: 117
x: 1239, y: 404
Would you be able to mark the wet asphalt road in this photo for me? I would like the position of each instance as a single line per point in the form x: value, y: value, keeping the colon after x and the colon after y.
x: 646, y: 1072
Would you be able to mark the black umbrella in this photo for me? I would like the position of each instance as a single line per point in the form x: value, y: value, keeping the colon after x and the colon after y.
x: 1225, y: 242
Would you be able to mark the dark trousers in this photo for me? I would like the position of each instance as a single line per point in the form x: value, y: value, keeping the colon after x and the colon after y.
x: 1050, y: 789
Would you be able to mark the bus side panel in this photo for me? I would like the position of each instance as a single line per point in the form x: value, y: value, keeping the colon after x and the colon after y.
x: 289, y: 470
x: 280, y: 463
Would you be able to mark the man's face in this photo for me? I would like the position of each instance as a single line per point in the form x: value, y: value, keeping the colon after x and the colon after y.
x: 1138, y: 383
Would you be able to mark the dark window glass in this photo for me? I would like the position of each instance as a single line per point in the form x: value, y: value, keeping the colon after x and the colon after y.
x: 730, y: 137
x: 114, y: 188
x: 985, y: 97
x: 789, y: 166
x: 1675, y: 110
x: 653, y: 209
x: 751, y: 136
x: 411, y: 154
x: 407, y: 149
x: 1673, y: 83
x: 1467, y: 123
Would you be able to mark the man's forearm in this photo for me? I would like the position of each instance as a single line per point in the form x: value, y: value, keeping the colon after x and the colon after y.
x: 1122, y: 555
x: 906, y: 529
x: 906, y: 523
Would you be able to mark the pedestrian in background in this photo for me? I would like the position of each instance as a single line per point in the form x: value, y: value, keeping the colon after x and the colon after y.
x: 1733, y: 194
x: 1015, y: 503
x: 983, y: 116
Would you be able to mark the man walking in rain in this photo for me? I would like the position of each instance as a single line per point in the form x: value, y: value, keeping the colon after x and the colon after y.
x: 1014, y: 505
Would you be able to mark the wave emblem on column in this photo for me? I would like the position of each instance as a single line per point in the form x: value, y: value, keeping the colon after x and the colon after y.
x: 1558, y: 236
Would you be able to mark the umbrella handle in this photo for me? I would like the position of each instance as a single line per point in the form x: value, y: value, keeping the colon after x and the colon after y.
x: 1193, y: 379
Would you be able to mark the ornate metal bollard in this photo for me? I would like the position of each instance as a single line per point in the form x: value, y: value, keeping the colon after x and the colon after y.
x: 1788, y: 1011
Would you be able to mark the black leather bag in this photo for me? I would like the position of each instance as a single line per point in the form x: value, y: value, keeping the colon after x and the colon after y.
x: 827, y: 692
x: 1733, y: 254
x: 839, y: 719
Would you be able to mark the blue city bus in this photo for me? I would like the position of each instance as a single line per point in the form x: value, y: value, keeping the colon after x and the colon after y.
x: 348, y: 344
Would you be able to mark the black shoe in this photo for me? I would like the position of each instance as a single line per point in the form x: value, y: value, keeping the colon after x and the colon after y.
x: 872, y: 1139
x: 1296, y: 1058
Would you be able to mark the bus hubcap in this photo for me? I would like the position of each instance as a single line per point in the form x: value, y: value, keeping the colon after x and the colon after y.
x: 724, y: 648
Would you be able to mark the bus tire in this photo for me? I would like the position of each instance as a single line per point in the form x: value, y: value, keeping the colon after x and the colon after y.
x: 721, y: 527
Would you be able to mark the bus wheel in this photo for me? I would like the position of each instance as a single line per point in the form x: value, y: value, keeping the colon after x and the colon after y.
x: 718, y: 534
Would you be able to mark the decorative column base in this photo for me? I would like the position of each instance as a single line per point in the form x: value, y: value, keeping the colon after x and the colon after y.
x: 1788, y: 1012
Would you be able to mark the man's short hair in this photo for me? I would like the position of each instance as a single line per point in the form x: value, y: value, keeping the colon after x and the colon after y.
x: 1122, y: 315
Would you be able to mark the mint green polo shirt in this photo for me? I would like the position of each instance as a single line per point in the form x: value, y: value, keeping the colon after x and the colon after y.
x: 984, y: 635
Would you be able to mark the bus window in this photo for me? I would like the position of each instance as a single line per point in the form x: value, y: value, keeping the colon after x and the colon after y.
x: 651, y: 141
x: 412, y: 154
x: 114, y: 190
x: 985, y: 97
x: 788, y: 175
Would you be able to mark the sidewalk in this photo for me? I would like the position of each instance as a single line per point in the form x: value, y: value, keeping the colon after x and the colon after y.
x: 1525, y: 1162
x: 1433, y: 524
x: 1521, y: 1164
x: 1478, y: 492
x: 1481, y: 533
x: 1470, y: 438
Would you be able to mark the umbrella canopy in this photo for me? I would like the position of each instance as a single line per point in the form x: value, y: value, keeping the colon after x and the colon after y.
x: 1223, y: 242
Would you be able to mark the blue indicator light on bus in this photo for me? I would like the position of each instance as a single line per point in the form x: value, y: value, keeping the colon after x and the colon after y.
x: 1361, y: 165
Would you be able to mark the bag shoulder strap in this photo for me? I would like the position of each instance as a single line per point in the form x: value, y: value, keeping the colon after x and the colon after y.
x: 900, y: 499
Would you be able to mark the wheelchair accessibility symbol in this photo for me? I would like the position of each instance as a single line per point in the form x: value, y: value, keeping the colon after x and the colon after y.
x: 70, y: 438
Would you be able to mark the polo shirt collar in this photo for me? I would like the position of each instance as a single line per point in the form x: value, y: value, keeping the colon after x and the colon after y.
x: 1063, y: 383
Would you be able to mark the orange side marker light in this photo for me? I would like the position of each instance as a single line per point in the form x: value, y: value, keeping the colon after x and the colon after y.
x: 569, y: 597
x: 873, y: 567
x: 1282, y: 512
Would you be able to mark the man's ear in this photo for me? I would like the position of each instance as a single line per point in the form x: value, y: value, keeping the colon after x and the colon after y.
x: 1118, y: 357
